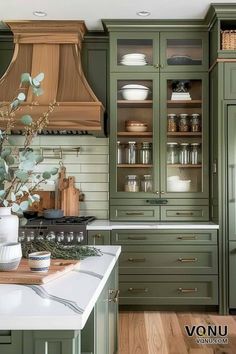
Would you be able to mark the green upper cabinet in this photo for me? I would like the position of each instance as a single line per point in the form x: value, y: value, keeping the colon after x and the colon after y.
x: 6, y: 51
x: 158, y: 51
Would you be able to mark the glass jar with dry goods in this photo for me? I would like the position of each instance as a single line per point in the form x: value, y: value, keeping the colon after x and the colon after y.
x: 195, y: 122
x: 183, y: 122
x: 184, y: 154
x: 119, y: 153
x: 146, y: 183
x: 172, y: 122
x: 145, y: 153
x: 131, y: 152
x: 132, y: 183
x: 172, y: 153
x: 195, y: 154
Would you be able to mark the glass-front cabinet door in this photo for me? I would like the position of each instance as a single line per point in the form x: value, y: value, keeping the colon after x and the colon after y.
x: 134, y: 52
x: 183, y: 51
x: 184, y: 139
x: 134, y: 157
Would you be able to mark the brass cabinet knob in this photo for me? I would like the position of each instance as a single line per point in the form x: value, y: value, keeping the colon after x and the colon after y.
x: 157, y: 192
x: 156, y: 66
x: 162, y: 192
x: 97, y: 236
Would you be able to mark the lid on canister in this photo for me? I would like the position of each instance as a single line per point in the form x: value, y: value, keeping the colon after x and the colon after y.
x: 195, y: 144
x: 184, y: 115
x: 171, y: 115
x: 195, y: 115
x: 131, y: 142
x: 172, y: 143
x: 147, y: 176
x: 132, y: 176
x: 184, y: 144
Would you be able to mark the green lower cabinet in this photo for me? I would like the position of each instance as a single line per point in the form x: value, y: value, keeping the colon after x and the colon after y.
x: 168, y: 290
x: 11, y: 342
x: 135, y: 213
x: 99, y: 237
x: 185, y: 213
x: 232, y: 282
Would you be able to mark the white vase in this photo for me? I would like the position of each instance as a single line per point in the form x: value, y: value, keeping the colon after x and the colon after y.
x: 9, y: 226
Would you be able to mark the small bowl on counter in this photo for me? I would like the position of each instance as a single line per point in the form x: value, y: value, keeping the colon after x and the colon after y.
x: 39, y: 261
x: 135, y: 126
x: 10, y: 256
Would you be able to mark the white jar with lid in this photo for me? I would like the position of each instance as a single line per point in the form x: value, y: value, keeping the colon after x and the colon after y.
x: 132, y: 183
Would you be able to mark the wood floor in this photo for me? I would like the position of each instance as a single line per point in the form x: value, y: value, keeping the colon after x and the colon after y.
x: 164, y: 333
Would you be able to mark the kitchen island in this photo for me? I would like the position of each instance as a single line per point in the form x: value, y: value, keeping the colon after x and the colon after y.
x: 76, y: 313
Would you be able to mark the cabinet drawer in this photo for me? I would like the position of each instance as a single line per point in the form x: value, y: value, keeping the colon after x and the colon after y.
x: 185, y: 213
x: 99, y: 237
x: 168, y: 260
x: 140, y: 213
x: 167, y: 290
x: 230, y: 81
x: 10, y: 342
x: 167, y: 237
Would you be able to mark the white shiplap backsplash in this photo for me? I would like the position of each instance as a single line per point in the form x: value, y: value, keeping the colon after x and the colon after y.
x: 90, y: 168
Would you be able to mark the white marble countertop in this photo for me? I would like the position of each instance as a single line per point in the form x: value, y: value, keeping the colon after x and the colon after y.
x: 64, y: 303
x: 112, y: 225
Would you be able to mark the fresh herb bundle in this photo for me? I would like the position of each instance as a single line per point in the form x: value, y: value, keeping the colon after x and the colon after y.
x: 59, y: 251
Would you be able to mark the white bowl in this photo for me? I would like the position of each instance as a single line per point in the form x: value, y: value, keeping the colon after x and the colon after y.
x: 178, y: 185
x: 134, y: 86
x: 137, y: 128
x: 10, y: 256
x: 135, y: 94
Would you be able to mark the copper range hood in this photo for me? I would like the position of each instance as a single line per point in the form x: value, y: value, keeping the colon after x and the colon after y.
x: 54, y: 47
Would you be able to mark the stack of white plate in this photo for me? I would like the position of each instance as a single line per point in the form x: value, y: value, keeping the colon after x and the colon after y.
x: 134, y: 59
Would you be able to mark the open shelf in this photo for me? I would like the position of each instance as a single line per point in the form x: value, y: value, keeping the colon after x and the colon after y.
x: 136, y: 134
x: 124, y: 165
x: 190, y: 134
x: 134, y: 103
x: 184, y: 166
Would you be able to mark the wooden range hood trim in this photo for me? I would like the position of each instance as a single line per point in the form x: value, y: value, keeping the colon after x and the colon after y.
x: 54, y: 47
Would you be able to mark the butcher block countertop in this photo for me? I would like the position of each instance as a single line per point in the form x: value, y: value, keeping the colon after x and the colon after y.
x: 64, y: 303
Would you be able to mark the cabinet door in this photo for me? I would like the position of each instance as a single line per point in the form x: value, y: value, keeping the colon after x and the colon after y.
x: 101, y: 323
x: 113, y: 312
x: 99, y: 237
x: 232, y: 171
x: 134, y: 52
x: 134, y: 152
x: 232, y: 267
x: 10, y: 342
x: 184, y: 51
x: 230, y: 81
x: 184, y: 136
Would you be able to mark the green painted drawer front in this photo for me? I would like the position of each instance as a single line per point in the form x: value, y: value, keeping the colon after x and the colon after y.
x: 232, y: 269
x: 168, y: 290
x: 99, y: 237
x: 167, y: 237
x: 126, y: 213
x: 168, y: 260
x: 185, y: 213
x: 10, y: 342
x: 230, y: 81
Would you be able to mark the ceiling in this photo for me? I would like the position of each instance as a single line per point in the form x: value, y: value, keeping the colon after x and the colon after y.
x: 92, y: 11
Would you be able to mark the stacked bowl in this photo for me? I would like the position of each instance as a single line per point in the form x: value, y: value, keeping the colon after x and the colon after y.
x: 134, y: 59
x: 134, y: 92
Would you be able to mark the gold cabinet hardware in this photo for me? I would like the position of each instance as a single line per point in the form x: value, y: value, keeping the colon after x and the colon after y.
x: 186, y: 260
x: 156, y: 66
x: 116, y: 293
x: 97, y: 236
x: 185, y: 213
x: 162, y: 192
x: 193, y: 290
x: 134, y: 213
x: 137, y: 238
x: 135, y: 260
x: 138, y: 290
x: 157, y: 192
x: 187, y: 238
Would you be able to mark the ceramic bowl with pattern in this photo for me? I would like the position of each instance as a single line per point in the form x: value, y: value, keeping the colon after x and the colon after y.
x: 39, y: 261
x: 10, y: 256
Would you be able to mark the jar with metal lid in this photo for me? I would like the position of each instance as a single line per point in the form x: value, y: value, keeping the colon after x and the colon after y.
x: 195, y: 122
x: 195, y: 154
x: 145, y: 153
x: 132, y: 183
x: 172, y: 153
x: 183, y: 122
x: 146, y: 183
x: 184, y: 154
x: 119, y: 153
x: 172, y: 122
x: 131, y: 152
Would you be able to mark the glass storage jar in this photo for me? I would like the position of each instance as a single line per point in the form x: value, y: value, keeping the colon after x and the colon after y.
x: 195, y: 122
x: 131, y: 152
x: 184, y: 154
x: 183, y: 122
x: 119, y: 153
x: 146, y: 183
x: 145, y: 153
x: 195, y: 154
x: 172, y: 122
x: 172, y: 153
x: 132, y: 183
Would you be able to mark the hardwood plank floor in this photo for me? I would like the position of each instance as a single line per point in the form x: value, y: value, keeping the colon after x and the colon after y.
x: 154, y: 332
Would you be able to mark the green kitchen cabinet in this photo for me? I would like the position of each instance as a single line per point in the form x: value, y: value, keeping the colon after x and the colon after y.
x: 11, y: 342
x: 99, y: 237
x: 232, y: 267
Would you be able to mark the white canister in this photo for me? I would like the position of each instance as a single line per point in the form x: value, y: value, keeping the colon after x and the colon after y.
x: 9, y: 225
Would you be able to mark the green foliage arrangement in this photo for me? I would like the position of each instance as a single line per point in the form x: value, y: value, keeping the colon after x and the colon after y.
x: 18, y: 180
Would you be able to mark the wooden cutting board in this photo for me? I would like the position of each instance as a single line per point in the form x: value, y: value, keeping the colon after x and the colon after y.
x: 70, y: 198
x: 23, y: 275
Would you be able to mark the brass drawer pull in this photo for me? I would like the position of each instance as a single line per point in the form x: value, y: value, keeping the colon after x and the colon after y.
x: 187, y: 238
x: 185, y: 214
x: 134, y: 213
x: 185, y: 260
x: 193, y: 290
x: 115, y: 298
x: 137, y: 260
x: 137, y: 238
x: 138, y: 290
x: 156, y: 66
x: 97, y: 236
